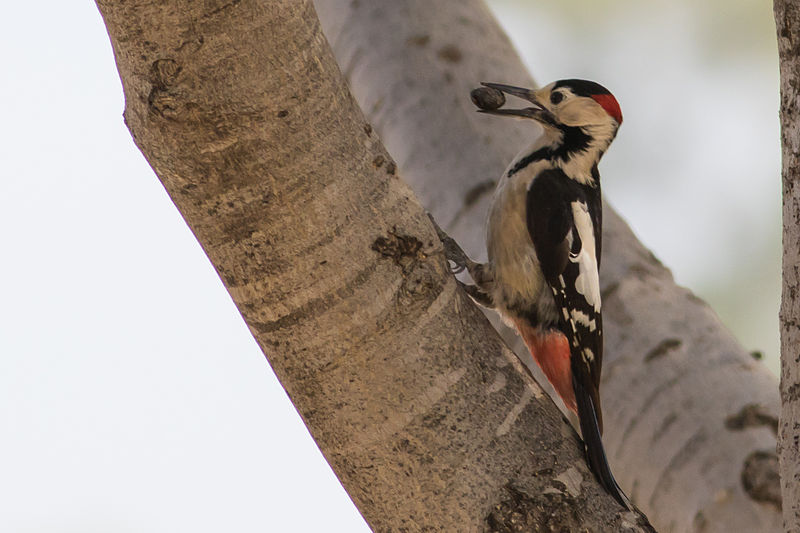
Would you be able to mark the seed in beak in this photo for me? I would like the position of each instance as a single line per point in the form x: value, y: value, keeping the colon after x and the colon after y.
x: 487, y: 98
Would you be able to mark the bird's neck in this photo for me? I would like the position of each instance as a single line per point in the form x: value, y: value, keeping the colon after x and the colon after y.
x: 574, y: 150
x: 578, y: 150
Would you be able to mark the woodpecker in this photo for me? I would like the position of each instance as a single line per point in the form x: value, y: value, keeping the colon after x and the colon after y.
x: 544, y: 239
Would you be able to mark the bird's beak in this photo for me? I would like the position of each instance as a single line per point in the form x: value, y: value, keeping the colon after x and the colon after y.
x: 538, y: 112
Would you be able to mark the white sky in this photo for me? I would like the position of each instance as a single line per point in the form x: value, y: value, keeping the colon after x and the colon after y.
x: 132, y: 397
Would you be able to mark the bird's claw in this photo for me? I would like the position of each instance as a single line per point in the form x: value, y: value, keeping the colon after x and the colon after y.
x: 456, y: 268
x: 452, y: 251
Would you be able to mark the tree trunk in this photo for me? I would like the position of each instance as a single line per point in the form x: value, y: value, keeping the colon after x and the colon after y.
x: 787, y: 18
x: 428, y: 420
x: 690, y: 417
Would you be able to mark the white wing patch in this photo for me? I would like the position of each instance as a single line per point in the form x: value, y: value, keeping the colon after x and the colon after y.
x: 588, y: 281
x: 582, y: 318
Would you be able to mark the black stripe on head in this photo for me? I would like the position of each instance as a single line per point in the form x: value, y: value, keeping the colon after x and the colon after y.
x: 582, y: 87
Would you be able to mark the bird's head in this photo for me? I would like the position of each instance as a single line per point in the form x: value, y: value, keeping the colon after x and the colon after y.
x: 571, y: 103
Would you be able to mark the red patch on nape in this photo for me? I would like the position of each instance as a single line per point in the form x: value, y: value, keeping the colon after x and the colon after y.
x: 610, y: 104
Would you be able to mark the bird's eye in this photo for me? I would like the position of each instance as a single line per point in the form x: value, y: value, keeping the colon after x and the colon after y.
x: 556, y: 98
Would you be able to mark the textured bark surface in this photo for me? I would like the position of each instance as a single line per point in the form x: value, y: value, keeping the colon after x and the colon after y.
x: 787, y: 18
x: 429, y: 421
x: 690, y: 416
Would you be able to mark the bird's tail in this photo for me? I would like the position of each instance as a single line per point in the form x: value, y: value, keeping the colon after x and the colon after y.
x: 593, y: 445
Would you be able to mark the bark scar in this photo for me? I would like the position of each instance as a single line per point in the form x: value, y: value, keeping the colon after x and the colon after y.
x: 163, y: 74
x: 760, y: 478
x: 475, y: 193
x: 750, y: 416
x: 405, y: 250
x: 663, y: 348
x: 221, y: 8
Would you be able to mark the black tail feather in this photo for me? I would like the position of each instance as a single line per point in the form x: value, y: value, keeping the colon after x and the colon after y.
x: 593, y: 445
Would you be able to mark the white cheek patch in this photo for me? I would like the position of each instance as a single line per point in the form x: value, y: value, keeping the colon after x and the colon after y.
x: 588, y: 281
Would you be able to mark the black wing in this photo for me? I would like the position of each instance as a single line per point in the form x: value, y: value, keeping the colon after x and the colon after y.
x: 563, y: 223
x: 563, y: 220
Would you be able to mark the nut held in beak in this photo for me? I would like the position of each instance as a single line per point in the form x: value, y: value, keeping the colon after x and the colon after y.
x: 487, y: 98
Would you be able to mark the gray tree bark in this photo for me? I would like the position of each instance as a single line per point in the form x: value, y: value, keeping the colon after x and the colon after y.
x: 787, y: 18
x: 429, y: 421
x: 690, y: 416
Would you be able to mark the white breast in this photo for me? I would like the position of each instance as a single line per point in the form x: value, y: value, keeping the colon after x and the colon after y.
x: 512, y: 258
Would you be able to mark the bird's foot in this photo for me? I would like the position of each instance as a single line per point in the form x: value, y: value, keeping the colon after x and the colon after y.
x: 452, y: 251
x: 455, y: 254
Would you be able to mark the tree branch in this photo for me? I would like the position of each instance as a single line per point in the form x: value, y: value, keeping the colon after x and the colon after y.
x: 427, y: 419
x: 673, y: 374
x: 787, y: 18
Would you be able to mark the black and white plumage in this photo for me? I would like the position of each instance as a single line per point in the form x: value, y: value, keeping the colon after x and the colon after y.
x: 544, y: 246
